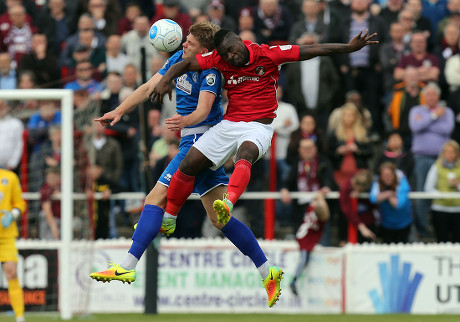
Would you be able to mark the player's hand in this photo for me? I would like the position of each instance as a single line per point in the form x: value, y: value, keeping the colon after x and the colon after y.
x: 7, y: 218
x: 366, y: 232
x: 360, y: 40
x: 175, y: 123
x: 111, y: 118
x: 160, y: 90
x: 285, y: 196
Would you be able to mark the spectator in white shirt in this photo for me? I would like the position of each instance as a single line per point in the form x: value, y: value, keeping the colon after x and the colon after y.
x: 115, y: 60
x: 11, y: 137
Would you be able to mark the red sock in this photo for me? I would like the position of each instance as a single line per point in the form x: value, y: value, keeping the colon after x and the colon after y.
x: 239, y: 180
x: 180, y: 187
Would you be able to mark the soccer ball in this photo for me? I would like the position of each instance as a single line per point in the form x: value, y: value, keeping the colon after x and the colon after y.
x: 165, y: 35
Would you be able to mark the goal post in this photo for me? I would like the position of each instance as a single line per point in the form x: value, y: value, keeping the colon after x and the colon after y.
x: 65, y: 96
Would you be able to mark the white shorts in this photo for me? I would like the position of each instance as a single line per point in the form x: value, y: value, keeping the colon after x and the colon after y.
x: 222, y: 141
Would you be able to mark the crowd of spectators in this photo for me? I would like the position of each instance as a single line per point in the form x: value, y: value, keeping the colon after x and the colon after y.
x: 396, y: 103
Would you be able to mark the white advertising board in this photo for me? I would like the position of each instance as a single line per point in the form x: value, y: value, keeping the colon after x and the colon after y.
x: 423, y: 279
x: 213, y: 276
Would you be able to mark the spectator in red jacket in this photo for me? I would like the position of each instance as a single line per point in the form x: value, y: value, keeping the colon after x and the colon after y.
x: 362, y: 214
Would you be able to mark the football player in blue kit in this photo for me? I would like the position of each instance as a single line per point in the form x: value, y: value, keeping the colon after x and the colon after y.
x: 198, y: 99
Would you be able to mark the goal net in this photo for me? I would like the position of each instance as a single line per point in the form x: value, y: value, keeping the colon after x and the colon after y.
x: 52, y: 165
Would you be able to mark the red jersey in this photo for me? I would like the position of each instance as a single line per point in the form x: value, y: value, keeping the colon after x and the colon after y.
x: 311, y: 230
x: 252, y: 88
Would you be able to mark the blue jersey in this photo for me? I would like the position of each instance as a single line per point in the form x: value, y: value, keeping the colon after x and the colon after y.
x: 189, y: 86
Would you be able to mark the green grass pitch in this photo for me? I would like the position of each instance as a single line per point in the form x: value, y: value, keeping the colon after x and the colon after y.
x: 238, y: 318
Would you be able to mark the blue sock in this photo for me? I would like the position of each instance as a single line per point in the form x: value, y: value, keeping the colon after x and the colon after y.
x: 147, y: 228
x: 243, y: 238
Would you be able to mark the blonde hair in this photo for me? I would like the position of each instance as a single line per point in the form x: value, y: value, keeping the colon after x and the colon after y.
x: 450, y: 143
x: 204, y: 32
x: 362, y: 180
x: 359, y: 131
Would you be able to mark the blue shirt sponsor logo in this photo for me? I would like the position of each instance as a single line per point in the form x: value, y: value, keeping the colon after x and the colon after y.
x: 189, y: 86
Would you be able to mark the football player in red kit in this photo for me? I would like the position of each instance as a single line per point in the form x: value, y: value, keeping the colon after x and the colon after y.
x: 251, y: 74
x: 310, y: 232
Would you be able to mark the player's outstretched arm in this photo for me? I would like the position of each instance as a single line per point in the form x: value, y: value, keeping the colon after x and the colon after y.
x: 358, y: 42
x: 140, y: 95
x: 174, y: 71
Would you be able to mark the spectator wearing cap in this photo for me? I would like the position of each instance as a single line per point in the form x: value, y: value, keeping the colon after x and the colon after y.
x: 56, y: 24
x: 41, y: 63
x: 172, y: 10
x: 216, y: 13
x: 246, y: 20
x: 272, y: 22
x: 310, y: 23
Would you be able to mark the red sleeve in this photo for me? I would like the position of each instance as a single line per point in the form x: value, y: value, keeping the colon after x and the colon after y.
x: 207, y: 60
x: 283, y: 54
x: 346, y: 205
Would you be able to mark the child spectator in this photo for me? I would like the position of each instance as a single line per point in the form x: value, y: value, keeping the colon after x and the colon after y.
x: 362, y: 215
x: 309, y: 234
x: 51, y: 208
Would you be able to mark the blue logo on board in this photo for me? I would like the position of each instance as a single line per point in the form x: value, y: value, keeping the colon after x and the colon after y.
x: 398, y: 287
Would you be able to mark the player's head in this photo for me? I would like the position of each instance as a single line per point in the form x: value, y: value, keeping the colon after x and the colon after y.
x: 231, y: 48
x: 200, y: 39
